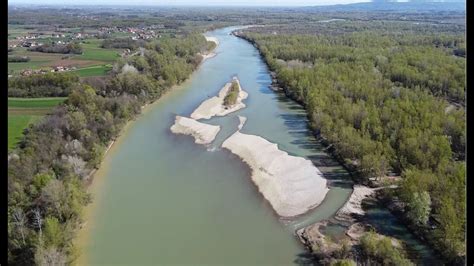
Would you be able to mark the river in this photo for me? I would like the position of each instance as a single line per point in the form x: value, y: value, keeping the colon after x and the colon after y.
x: 159, y: 198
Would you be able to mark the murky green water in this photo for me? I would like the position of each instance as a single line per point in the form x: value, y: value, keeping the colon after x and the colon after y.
x: 387, y: 224
x: 165, y: 200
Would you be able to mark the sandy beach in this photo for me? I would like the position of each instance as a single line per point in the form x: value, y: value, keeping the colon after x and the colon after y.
x: 215, y: 105
x: 212, y: 39
x: 202, y: 133
x: 354, y: 204
x: 292, y: 185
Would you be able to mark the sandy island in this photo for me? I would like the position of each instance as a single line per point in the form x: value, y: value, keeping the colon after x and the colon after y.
x: 215, y: 105
x: 202, y: 133
x: 292, y: 185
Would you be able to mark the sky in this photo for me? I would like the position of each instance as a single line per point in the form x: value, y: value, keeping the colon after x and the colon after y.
x: 192, y: 2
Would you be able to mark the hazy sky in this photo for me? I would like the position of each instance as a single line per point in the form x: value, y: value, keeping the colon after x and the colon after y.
x: 193, y: 2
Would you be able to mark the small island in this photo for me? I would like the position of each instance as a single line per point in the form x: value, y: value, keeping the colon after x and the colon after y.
x: 202, y: 133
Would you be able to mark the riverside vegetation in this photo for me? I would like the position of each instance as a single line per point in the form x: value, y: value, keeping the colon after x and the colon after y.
x: 385, y: 102
x: 46, y: 170
x: 385, y: 90
x: 232, y: 94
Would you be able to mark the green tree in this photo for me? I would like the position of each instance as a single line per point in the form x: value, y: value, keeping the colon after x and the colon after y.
x: 420, y: 207
x: 52, y: 233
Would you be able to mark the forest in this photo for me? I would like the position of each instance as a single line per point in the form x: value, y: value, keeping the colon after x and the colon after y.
x: 46, y: 198
x: 386, y: 104
x: 42, y: 85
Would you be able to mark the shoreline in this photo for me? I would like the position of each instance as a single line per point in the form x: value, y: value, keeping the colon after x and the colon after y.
x: 95, y: 185
x: 354, y: 174
x: 96, y: 179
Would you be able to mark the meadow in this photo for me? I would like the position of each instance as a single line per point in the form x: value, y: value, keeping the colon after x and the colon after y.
x: 25, y: 111
x: 92, y: 62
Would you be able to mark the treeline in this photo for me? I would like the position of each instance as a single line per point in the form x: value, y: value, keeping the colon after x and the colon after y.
x: 46, y: 173
x: 18, y: 59
x: 42, y: 85
x: 70, y: 48
x: 168, y: 61
x: 120, y: 43
x: 381, y: 104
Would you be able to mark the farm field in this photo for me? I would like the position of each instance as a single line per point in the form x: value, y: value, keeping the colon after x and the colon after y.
x: 24, y: 111
x: 91, y: 63
x: 93, y: 71
x: 93, y: 51
x: 16, y: 125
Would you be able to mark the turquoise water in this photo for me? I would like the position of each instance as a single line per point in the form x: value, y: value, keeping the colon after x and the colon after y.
x: 387, y: 224
x: 166, y: 200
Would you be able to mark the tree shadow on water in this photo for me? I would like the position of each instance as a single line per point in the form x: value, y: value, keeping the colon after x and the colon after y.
x: 306, y: 258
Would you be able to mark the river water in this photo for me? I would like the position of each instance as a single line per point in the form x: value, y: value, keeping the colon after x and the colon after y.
x: 166, y: 200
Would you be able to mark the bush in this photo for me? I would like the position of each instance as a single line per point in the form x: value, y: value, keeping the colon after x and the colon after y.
x: 380, y: 249
x: 232, y: 94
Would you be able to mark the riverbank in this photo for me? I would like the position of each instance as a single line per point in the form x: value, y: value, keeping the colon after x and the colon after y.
x: 96, y: 178
x: 351, y: 167
x: 95, y: 183
x: 211, y: 53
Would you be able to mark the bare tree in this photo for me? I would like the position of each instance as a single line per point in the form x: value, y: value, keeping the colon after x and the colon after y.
x: 20, y: 222
x: 38, y: 221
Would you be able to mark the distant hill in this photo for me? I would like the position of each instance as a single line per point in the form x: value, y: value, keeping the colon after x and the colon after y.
x: 414, y: 6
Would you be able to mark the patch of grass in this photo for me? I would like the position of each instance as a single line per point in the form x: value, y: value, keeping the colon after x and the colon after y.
x: 35, y: 102
x: 93, y: 71
x: 101, y: 54
x: 16, y: 67
x: 24, y: 111
x: 16, y: 125
x: 38, y: 60
x: 93, y: 51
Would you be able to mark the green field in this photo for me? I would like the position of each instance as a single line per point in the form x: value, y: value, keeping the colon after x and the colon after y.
x: 35, y: 102
x: 93, y: 51
x: 16, y: 67
x: 90, y: 63
x: 16, y: 31
x: 93, y: 71
x: 24, y: 111
x: 16, y: 125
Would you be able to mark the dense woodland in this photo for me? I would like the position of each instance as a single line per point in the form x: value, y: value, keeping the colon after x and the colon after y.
x: 386, y: 103
x: 46, y: 198
x: 42, y: 85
